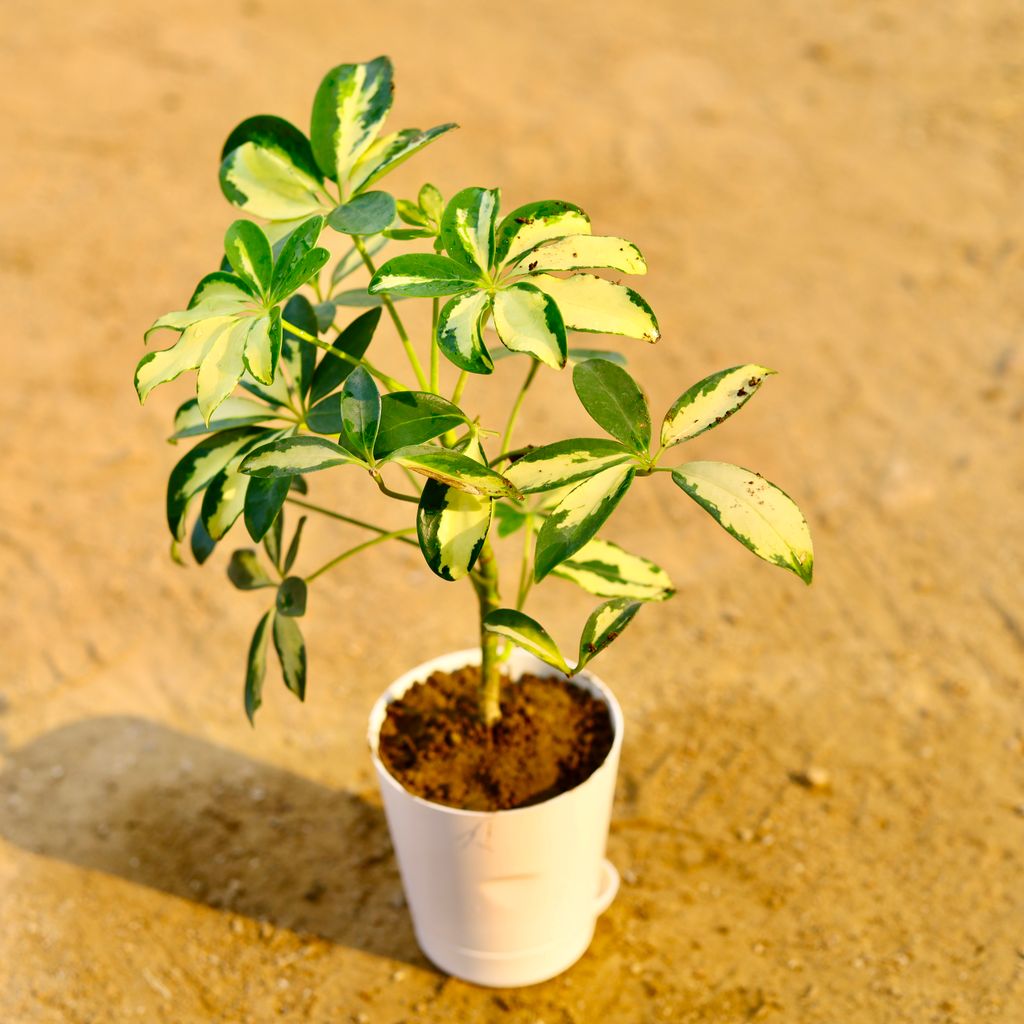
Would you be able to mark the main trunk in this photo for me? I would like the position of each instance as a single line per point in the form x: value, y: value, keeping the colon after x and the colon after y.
x: 485, y: 582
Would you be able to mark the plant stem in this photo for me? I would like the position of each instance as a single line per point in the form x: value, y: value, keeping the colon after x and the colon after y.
x: 485, y: 582
x: 345, y: 519
x: 388, y: 381
x: 384, y: 489
x: 435, y: 351
x: 394, y: 535
x: 510, y: 455
x: 403, y: 335
x: 525, y: 576
x: 518, y: 404
x: 460, y: 386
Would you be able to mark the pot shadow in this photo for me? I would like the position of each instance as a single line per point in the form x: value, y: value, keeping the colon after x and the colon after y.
x: 135, y: 799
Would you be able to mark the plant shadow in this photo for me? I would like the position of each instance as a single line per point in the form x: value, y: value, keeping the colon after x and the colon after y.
x: 135, y: 799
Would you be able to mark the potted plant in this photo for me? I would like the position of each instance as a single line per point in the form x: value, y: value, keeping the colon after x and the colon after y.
x: 498, y: 794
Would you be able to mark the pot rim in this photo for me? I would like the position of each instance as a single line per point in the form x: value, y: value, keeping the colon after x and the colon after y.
x: 471, y: 656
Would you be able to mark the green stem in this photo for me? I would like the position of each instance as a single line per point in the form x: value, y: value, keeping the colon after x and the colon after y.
x: 384, y: 489
x: 337, y: 560
x: 435, y: 351
x: 525, y: 575
x: 485, y: 582
x: 403, y: 335
x: 460, y: 386
x: 388, y: 381
x: 345, y: 519
x: 518, y: 404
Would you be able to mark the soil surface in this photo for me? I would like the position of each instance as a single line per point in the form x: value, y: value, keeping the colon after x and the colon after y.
x: 551, y: 737
x: 820, y: 809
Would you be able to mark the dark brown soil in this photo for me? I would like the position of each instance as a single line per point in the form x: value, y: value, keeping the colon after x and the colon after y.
x: 551, y: 737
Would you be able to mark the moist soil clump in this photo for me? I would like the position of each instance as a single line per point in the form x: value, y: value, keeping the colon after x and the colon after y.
x: 552, y: 736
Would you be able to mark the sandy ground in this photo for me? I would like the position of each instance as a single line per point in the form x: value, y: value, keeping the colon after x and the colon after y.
x: 832, y: 189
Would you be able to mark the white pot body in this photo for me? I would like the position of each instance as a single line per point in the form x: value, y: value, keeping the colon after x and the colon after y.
x: 503, y: 898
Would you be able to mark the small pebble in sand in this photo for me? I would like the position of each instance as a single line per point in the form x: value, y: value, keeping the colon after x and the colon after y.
x: 811, y: 778
x: 398, y: 975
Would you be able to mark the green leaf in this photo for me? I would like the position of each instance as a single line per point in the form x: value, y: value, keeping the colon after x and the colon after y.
x: 246, y: 572
x: 248, y: 251
x: 350, y: 106
x: 233, y: 412
x: 360, y: 411
x: 510, y: 518
x: 413, y: 417
x: 421, y: 274
x: 293, y: 548
x: 590, y: 303
x: 272, y: 540
x: 408, y: 234
x: 431, y: 201
x: 604, y: 626
x: 223, y: 365
x: 360, y: 298
x: 460, y: 332
x: 291, y: 597
x: 366, y: 214
x: 293, y: 455
x: 758, y: 514
x: 605, y: 570
x: 387, y: 153
x: 263, y: 346
x: 198, y: 466
x: 614, y: 401
x: 527, y: 320
x: 467, y: 227
x: 581, y: 252
x: 267, y: 169
x: 578, y: 516
x: 264, y: 499
x: 299, y: 356
x: 452, y: 525
x: 202, y: 543
x: 452, y: 468
x: 566, y: 462
x: 581, y: 355
x: 411, y: 214
x: 256, y: 667
x: 353, y: 259
x: 298, y: 259
x: 710, y: 401
x: 354, y: 340
x: 534, y: 223
x: 291, y: 653
x: 526, y: 633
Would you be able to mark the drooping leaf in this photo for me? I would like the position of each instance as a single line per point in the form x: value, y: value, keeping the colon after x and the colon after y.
x: 233, y: 412
x: 256, y: 667
x: 366, y: 214
x: 413, y: 417
x: 291, y: 597
x: 248, y: 251
x: 354, y: 340
x: 534, y: 223
x: 590, y: 303
x: 578, y: 516
x: 566, y: 462
x: 582, y: 252
x: 291, y: 653
x: 420, y: 275
x: 267, y: 169
x: 293, y: 548
x: 224, y: 500
x: 460, y: 332
x: 710, y: 401
x: 299, y: 259
x: 264, y: 499
x: 360, y: 411
x: 453, y: 468
x: 263, y: 346
x: 202, y: 544
x: 604, y: 626
x: 350, y: 106
x: 528, y: 320
x: 387, y: 153
x: 246, y: 572
x: 297, y: 455
x: 467, y: 227
x: 614, y: 401
x: 526, y: 633
x: 758, y: 514
x: 605, y: 570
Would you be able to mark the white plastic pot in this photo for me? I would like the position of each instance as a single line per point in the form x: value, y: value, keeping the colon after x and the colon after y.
x: 503, y: 898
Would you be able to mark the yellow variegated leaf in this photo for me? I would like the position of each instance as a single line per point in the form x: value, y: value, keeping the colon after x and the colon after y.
x: 265, y: 182
x: 604, y: 569
x: 263, y: 346
x: 185, y: 354
x: 566, y: 462
x: 590, y: 303
x: 582, y: 252
x: 222, y: 366
x: 467, y: 226
x: 710, y: 401
x: 757, y: 513
x: 526, y: 633
x: 534, y: 223
x: 296, y: 455
x: 460, y: 332
x: 527, y: 320
x: 604, y: 626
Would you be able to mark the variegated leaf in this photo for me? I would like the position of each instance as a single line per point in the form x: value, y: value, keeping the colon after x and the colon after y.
x: 467, y: 227
x: 224, y: 497
x: 256, y: 667
x: 526, y: 633
x: 527, y: 320
x: 452, y: 525
x: 413, y: 417
x: 233, y: 412
x: 222, y: 366
x: 299, y: 259
x: 582, y: 252
x: 710, y: 401
x: 293, y: 455
x: 578, y: 516
x: 387, y: 153
x: 248, y: 251
x: 614, y: 401
x: 267, y: 169
x: 453, y: 468
x: 537, y: 222
x: 263, y: 346
x: 604, y: 626
x: 191, y: 349
x: 605, y: 570
x: 422, y: 275
x: 590, y: 303
x: 566, y: 462
x: 460, y: 332
x: 350, y: 106
x: 360, y: 412
x: 201, y: 544
x: 758, y: 514
x: 291, y: 653
x: 217, y: 295
x: 246, y: 571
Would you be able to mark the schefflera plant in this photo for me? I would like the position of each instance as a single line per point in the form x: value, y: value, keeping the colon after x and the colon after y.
x: 283, y: 390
